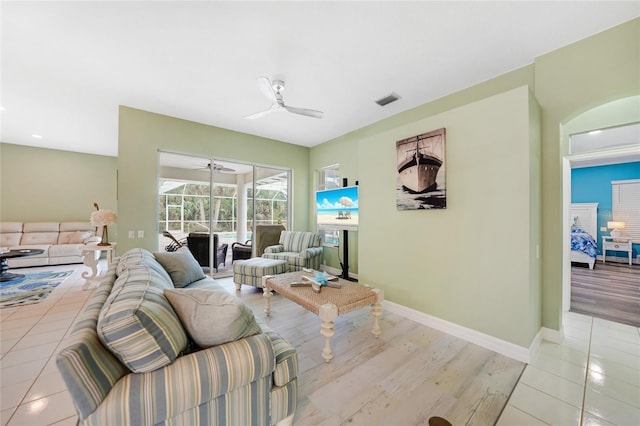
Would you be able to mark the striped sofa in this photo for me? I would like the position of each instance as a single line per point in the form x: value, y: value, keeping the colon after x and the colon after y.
x: 140, y: 367
x: 300, y: 250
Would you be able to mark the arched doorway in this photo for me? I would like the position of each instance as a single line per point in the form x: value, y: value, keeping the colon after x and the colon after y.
x: 609, y: 115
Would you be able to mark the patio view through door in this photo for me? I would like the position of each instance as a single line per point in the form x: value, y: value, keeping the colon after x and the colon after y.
x: 200, y: 195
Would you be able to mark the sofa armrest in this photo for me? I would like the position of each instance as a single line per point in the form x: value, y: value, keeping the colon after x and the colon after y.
x: 311, y: 252
x: 279, y: 248
x: 286, y: 358
x: 188, y: 382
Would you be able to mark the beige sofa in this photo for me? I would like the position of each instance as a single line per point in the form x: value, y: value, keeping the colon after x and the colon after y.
x: 62, y: 242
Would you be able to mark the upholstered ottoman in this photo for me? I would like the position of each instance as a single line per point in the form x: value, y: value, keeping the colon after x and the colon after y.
x: 251, y: 271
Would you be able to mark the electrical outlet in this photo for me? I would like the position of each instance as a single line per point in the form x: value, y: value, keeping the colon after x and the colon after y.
x: 132, y: 234
x: 140, y: 234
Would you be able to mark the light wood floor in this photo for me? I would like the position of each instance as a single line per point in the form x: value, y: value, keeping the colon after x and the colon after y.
x: 610, y: 291
x: 407, y: 375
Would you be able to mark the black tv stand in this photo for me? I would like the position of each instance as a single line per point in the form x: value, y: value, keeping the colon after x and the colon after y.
x: 345, y: 250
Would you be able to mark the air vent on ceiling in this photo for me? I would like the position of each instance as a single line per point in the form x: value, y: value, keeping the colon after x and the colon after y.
x: 388, y: 99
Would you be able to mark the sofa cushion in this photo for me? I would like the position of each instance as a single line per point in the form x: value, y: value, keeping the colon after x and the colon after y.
x: 207, y: 283
x: 31, y: 238
x: 73, y: 237
x: 212, y: 317
x: 41, y: 227
x: 40, y: 233
x: 62, y: 250
x: 10, y: 227
x: 297, y: 241
x: 10, y: 233
x: 182, y: 267
x: 138, y: 324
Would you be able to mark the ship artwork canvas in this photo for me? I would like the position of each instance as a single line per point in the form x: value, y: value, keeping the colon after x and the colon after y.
x: 421, y: 172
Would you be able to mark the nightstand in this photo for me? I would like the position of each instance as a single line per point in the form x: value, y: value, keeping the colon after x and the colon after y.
x: 617, y: 244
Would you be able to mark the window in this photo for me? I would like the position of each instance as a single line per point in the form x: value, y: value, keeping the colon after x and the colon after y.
x: 329, y: 177
x: 626, y: 206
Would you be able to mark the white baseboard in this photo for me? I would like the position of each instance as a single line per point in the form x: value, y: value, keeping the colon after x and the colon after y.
x: 500, y: 346
x: 335, y: 271
x: 550, y: 335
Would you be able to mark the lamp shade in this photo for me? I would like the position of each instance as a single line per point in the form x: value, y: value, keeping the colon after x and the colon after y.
x: 103, y: 217
x: 615, y: 225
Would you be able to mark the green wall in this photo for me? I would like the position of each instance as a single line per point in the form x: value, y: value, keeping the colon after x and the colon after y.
x: 568, y: 82
x: 470, y: 263
x: 142, y: 134
x: 42, y: 185
x: 565, y: 83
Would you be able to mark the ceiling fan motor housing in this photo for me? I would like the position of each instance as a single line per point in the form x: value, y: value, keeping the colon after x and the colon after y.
x: 278, y: 86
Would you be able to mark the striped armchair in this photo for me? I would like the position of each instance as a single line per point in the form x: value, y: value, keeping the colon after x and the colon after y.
x: 250, y: 381
x: 299, y: 249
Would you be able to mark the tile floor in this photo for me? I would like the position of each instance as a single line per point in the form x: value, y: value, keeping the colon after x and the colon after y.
x: 592, y: 378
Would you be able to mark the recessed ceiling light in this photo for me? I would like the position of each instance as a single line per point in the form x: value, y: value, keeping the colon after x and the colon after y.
x: 36, y: 136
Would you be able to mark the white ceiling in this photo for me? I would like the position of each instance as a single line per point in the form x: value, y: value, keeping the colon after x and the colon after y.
x: 66, y: 66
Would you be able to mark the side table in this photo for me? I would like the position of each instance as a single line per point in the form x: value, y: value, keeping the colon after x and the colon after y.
x: 616, y: 244
x: 91, y: 260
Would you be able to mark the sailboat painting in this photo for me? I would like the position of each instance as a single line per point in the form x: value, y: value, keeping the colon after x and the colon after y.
x: 421, y: 171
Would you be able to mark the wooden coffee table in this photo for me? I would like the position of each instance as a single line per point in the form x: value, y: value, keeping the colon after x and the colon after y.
x: 328, y: 304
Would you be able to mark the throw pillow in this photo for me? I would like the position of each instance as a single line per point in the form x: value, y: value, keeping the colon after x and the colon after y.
x: 212, y: 317
x: 79, y: 237
x: 182, y: 267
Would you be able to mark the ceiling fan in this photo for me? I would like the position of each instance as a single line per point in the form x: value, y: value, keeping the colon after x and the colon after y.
x: 273, y: 91
x: 216, y: 167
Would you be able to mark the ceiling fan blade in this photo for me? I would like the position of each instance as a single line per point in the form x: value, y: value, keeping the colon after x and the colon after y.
x: 267, y: 89
x: 303, y: 111
x: 258, y: 114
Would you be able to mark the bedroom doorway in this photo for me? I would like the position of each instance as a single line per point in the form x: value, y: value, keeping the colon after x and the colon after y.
x: 607, y: 153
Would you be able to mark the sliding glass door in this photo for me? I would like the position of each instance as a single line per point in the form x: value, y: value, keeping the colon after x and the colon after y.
x: 203, y: 197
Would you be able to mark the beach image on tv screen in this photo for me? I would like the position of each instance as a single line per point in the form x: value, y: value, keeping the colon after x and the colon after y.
x: 338, y: 208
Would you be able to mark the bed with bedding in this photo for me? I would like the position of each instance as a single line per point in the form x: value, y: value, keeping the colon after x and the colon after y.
x: 584, y: 248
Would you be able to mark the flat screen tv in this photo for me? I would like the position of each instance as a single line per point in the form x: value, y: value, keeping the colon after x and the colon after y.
x: 337, y: 208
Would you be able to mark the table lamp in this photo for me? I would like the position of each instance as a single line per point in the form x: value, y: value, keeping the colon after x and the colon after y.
x: 103, y: 218
x: 615, y: 228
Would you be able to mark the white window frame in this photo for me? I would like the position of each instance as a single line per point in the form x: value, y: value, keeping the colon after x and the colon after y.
x: 328, y: 178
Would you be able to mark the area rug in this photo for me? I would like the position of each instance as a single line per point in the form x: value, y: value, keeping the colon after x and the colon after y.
x: 32, y: 288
